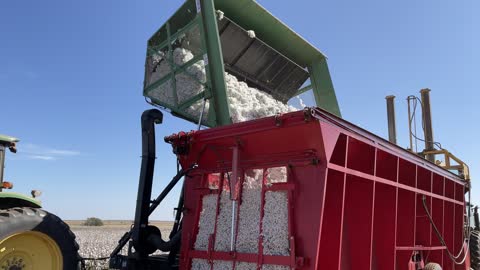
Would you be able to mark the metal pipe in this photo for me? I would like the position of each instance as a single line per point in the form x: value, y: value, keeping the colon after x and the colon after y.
x: 232, y: 229
x: 427, y: 123
x: 2, y: 164
x: 410, y: 124
x: 142, y: 211
x: 476, y: 221
x: 392, y: 127
x: 155, y: 203
x: 201, y: 114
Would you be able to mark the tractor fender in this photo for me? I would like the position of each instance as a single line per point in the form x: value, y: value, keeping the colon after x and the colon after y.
x: 11, y: 199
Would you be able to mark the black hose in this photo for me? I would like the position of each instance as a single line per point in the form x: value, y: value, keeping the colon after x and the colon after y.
x: 165, y: 246
x: 440, y: 238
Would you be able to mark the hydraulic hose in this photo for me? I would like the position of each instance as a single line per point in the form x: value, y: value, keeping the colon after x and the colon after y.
x: 440, y: 238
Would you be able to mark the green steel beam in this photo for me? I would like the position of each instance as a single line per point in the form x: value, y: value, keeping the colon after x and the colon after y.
x: 323, y: 87
x: 215, y: 65
x: 176, y: 70
x: 304, y: 89
x: 176, y: 35
x: 173, y: 82
x: 189, y: 102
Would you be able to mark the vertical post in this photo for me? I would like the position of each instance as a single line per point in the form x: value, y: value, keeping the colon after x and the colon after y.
x: 476, y: 219
x: 392, y: 128
x: 323, y: 87
x: 234, y: 196
x: 427, y: 121
x: 215, y: 65
x: 2, y: 164
x: 410, y: 124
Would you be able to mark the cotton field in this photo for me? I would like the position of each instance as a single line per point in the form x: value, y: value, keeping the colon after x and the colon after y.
x: 98, y: 242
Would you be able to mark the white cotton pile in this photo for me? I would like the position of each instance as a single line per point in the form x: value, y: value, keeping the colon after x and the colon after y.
x: 275, y: 220
x: 185, y: 83
x: 222, y: 265
x: 224, y: 221
x: 249, y: 215
x: 274, y: 226
x: 199, y: 264
x: 276, y: 175
x: 246, y: 266
x: 253, y: 266
x: 244, y: 102
x: 206, y: 224
x: 275, y: 267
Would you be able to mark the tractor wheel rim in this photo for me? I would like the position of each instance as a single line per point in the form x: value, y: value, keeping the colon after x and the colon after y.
x: 30, y: 251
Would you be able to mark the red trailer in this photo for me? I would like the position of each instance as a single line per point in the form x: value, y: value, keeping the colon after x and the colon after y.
x: 330, y: 195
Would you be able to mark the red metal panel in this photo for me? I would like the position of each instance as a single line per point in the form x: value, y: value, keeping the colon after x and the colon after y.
x: 383, y: 251
x: 329, y: 249
x: 355, y: 200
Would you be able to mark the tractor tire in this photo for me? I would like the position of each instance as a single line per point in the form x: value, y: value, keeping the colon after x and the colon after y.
x: 31, y: 238
x: 475, y: 250
x: 432, y: 266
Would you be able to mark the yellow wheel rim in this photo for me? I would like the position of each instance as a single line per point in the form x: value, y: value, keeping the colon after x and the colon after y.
x: 30, y: 251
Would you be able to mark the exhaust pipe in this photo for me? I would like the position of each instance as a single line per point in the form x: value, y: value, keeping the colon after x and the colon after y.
x: 427, y: 121
x: 139, y: 234
x: 392, y: 128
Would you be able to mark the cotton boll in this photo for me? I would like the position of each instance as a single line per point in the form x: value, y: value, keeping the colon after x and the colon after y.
x: 245, y: 103
x: 275, y: 267
x: 199, y: 264
x: 276, y: 175
x: 222, y: 265
x: 224, y: 222
x: 246, y: 266
x: 206, y: 223
x: 275, y: 224
x: 249, y: 215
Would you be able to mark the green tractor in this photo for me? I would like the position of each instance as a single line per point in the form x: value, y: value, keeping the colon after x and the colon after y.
x: 30, y: 237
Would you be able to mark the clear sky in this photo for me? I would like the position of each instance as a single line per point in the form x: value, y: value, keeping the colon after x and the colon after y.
x: 71, y: 76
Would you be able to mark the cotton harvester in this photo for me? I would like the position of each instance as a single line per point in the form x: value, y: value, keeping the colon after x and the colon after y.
x: 286, y: 189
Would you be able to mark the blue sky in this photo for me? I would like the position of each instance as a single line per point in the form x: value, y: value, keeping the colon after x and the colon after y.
x: 71, y: 76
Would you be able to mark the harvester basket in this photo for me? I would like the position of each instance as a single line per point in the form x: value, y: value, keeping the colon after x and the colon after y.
x: 207, y: 42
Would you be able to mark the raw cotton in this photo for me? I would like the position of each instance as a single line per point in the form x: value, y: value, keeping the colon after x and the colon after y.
x: 275, y: 224
x: 276, y: 175
x: 187, y: 84
x: 244, y: 102
x: 275, y: 267
x: 224, y: 221
x: 249, y: 215
x: 246, y: 266
x: 222, y: 265
x: 253, y: 266
x: 206, y: 223
x: 199, y: 264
